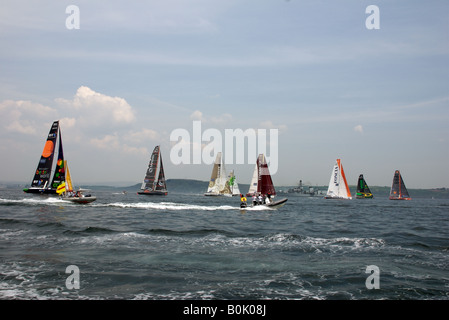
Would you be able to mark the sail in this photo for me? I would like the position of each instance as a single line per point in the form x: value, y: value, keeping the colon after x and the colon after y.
x: 68, y: 178
x: 43, y: 171
x: 161, y: 184
x: 398, y: 190
x: 253, y: 184
x: 264, y: 182
x: 338, y: 186
x: 217, y: 182
x: 150, y: 176
x: 59, y: 174
x: 363, y: 191
x: 233, y: 185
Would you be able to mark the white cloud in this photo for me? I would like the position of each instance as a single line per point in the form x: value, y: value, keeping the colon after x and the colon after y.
x: 142, y: 136
x: 24, y: 117
x: 215, y: 120
x: 196, y: 115
x: 269, y: 125
x: 97, y: 108
x: 358, y: 128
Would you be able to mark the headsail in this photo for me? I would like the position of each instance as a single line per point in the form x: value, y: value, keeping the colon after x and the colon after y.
x: 68, y: 178
x: 398, y: 190
x: 253, y: 185
x: 338, y: 186
x: 59, y: 174
x: 363, y: 190
x: 161, y: 184
x: 231, y: 187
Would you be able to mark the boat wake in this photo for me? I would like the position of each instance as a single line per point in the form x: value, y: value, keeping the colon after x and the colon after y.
x: 32, y: 201
x: 167, y: 206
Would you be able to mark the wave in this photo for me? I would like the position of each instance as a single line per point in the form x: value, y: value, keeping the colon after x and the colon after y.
x: 168, y: 206
x: 32, y: 201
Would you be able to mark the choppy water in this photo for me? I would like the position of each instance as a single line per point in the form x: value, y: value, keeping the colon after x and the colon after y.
x: 194, y: 247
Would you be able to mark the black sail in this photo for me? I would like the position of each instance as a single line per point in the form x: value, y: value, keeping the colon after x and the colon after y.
x: 59, y: 174
x: 43, y: 172
x: 398, y: 190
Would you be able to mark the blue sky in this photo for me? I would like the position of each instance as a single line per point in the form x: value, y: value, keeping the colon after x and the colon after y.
x: 137, y: 70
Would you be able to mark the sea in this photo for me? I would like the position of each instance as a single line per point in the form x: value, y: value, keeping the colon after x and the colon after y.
x: 186, y: 247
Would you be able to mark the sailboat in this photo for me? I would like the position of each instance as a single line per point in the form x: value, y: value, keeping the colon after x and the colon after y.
x: 154, y: 180
x: 67, y: 193
x: 41, y: 183
x: 231, y: 188
x: 218, y: 183
x: 398, y: 190
x: 262, y: 185
x: 338, y: 186
x: 363, y: 191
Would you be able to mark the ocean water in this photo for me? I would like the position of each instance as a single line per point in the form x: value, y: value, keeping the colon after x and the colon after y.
x: 192, y: 247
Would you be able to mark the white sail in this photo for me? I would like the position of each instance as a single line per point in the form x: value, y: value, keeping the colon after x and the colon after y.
x: 338, y: 186
x: 232, y: 185
x: 253, y: 185
x: 218, y: 177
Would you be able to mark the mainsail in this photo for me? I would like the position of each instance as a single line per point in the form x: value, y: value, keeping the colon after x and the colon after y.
x: 154, y: 183
x: 338, y: 186
x: 363, y: 190
x: 398, y: 190
x: 218, y: 179
x: 41, y: 181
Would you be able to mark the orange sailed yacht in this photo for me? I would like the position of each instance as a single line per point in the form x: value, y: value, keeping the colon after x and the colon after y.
x: 338, y: 186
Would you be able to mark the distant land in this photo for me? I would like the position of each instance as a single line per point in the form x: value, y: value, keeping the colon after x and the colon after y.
x: 198, y: 186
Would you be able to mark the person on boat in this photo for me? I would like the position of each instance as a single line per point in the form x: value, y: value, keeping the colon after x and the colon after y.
x: 268, y: 198
x: 254, y: 199
x: 243, y: 203
x: 259, y: 198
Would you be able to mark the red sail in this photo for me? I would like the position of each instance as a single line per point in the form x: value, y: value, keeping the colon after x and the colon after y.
x: 264, y: 183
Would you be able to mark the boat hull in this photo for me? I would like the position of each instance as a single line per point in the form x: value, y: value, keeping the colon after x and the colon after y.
x: 39, y: 191
x: 364, y: 196
x: 337, y: 198
x: 273, y: 204
x: 81, y: 200
x: 397, y: 198
x: 153, y: 193
x: 276, y: 204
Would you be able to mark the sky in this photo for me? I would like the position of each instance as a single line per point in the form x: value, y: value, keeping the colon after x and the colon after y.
x: 133, y: 72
